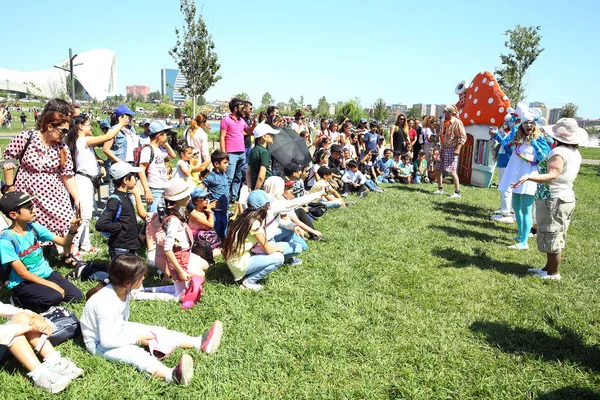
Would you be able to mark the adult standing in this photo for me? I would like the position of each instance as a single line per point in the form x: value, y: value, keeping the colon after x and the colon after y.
x: 233, y: 130
x: 428, y: 137
x: 399, y: 134
x: 299, y: 124
x: 418, y: 144
x: 454, y: 136
x: 555, y: 198
x: 246, y: 115
x: 122, y: 147
x: 196, y: 137
x: 45, y: 172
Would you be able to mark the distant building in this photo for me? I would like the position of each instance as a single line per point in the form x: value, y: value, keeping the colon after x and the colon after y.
x: 430, y: 109
x: 541, y: 106
x: 171, y: 80
x: 554, y: 116
x: 331, y: 110
x: 283, y: 106
x: 584, y: 123
x: 439, y: 110
x: 421, y: 109
x: 137, y: 90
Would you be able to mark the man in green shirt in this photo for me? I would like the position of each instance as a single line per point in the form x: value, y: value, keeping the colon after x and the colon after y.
x: 259, y: 161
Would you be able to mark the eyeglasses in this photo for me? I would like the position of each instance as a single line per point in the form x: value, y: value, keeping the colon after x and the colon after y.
x: 64, y: 131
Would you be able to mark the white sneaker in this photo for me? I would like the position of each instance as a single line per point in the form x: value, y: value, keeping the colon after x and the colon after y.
x: 497, y: 212
x: 536, y: 271
x: 504, y: 220
x: 345, y: 194
x: 439, y: 191
x: 455, y: 196
x: 545, y: 275
x: 519, y: 246
x: 250, y: 286
x: 50, y: 381
x: 63, y: 366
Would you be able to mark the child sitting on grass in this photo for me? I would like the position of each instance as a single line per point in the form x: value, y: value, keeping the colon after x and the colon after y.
x: 332, y: 198
x: 405, y: 169
x: 420, y: 168
x: 202, y: 219
x: 26, y: 329
x: 108, y: 333
x: 354, y: 180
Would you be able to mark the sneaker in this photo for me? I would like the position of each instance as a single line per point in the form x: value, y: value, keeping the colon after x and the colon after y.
x: 349, y: 203
x: 545, y: 275
x: 345, y: 194
x: 455, y: 196
x: 363, y: 194
x: 439, y: 191
x: 50, y: 381
x: 379, y: 190
x: 497, y: 212
x: 535, y: 270
x: 184, y: 371
x: 245, y: 285
x: 64, y: 366
x: 293, y: 261
x: 519, y: 246
x: 504, y: 220
x: 212, y: 338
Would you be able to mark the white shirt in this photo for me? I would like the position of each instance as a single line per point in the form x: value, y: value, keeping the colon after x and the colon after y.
x: 354, y: 177
x: 199, y: 141
x: 562, y: 187
x: 156, y: 173
x: 85, y: 158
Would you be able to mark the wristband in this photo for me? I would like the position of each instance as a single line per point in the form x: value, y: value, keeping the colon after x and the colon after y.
x: 72, y: 233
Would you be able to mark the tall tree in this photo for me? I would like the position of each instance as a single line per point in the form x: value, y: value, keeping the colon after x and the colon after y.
x: 243, y: 96
x: 352, y: 110
x: 267, y: 100
x: 569, y: 110
x: 322, y: 107
x: 380, y: 112
x: 301, y: 102
x: 293, y: 105
x: 195, y: 53
x: 413, y: 112
x: 524, y: 45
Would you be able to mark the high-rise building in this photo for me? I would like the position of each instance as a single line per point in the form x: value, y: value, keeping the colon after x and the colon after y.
x: 171, y: 80
x: 554, y: 116
x: 421, y: 109
x: 138, y: 90
x: 541, y: 106
x: 430, y: 109
x: 439, y: 111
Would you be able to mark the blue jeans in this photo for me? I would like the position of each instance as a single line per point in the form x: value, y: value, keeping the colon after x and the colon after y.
x: 417, y: 179
x: 337, y: 203
x: 382, y: 179
x: 113, y: 252
x: 237, y: 165
x: 221, y: 221
x: 158, y: 196
x: 261, y: 265
x: 290, y: 237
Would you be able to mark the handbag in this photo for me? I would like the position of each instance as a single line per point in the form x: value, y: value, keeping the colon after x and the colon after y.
x: 65, y: 323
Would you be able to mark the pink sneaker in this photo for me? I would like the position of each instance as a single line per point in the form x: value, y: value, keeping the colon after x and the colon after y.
x: 193, y: 292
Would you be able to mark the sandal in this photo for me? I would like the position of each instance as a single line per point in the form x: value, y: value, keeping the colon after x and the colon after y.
x: 76, y: 264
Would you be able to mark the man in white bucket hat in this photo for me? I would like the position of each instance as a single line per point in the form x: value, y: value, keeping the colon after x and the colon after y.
x: 555, y: 199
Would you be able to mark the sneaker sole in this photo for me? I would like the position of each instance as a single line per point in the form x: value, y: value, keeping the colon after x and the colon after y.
x: 213, y: 342
x: 187, y: 370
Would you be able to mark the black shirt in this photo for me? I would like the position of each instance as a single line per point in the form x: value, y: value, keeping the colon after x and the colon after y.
x: 124, y: 231
x: 247, y: 138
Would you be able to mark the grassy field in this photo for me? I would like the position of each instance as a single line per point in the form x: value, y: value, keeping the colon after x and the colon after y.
x: 590, y: 153
x: 413, y: 296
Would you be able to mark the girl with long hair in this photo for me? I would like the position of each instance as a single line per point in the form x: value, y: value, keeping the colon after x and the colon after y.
x: 399, y: 134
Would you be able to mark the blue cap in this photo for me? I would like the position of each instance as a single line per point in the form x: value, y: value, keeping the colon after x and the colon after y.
x: 123, y: 109
x: 199, y: 191
x: 105, y: 123
x: 258, y: 198
x: 362, y: 121
x: 158, y: 126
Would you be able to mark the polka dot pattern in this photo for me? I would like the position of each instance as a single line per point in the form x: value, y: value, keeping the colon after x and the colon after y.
x: 474, y: 109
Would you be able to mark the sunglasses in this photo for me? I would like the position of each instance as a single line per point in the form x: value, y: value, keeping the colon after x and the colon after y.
x: 64, y: 131
x: 201, y: 198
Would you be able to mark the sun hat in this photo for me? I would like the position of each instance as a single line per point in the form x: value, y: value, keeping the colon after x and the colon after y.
x: 120, y: 169
x: 199, y: 191
x: 177, y: 189
x: 264, y: 129
x: 11, y: 201
x: 123, y: 109
x: 158, y: 126
x: 258, y: 198
x: 567, y: 131
x: 451, y: 108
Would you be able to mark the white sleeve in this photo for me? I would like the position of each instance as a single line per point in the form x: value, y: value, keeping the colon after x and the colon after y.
x: 171, y: 232
x: 111, y: 330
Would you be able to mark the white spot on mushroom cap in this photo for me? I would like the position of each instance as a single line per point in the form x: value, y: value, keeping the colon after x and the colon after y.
x: 490, y: 100
x: 476, y: 89
x: 484, y: 80
x: 491, y: 83
x: 471, y: 85
x: 504, y: 98
x: 475, y: 101
x: 478, y: 113
x: 470, y: 96
x: 492, y: 120
x: 501, y: 109
x: 472, y: 121
x: 466, y: 115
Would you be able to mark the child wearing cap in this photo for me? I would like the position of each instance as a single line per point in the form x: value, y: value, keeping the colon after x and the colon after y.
x: 118, y: 217
x: 259, y: 160
x: 250, y: 257
x: 34, y: 284
x: 217, y: 184
x: 153, y: 175
x: 202, y: 219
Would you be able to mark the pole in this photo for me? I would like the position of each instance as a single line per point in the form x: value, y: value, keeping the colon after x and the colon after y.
x: 72, y: 76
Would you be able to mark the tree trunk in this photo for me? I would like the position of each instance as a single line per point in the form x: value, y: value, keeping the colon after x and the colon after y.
x: 193, y: 107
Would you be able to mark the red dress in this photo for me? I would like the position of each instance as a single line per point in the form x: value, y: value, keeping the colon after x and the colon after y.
x: 40, y: 174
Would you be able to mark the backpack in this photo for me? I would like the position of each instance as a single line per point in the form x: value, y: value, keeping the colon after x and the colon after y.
x: 117, y: 215
x: 137, y: 152
x: 5, y: 269
x: 155, y: 231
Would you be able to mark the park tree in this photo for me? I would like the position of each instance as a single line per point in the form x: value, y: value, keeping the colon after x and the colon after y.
x: 267, y: 100
x: 194, y: 53
x: 524, y: 48
x: 352, y: 110
x: 133, y: 103
x: 569, y: 110
x: 242, y: 96
x: 301, y: 102
x: 380, y: 112
x: 322, y: 107
x: 293, y: 104
x: 154, y: 96
x: 413, y: 113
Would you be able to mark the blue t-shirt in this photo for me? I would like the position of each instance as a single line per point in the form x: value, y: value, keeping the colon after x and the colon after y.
x: 385, y: 166
x: 218, y: 187
x: 371, y: 141
x: 30, y: 253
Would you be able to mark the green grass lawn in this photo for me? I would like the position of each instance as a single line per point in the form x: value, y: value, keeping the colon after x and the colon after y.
x: 590, y: 153
x: 413, y: 296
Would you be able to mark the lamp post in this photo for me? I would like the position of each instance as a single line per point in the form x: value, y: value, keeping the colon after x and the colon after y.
x: 70, y: 71
x: 7, y: 87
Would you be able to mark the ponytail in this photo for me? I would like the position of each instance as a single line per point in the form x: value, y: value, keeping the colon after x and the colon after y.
x: 96, y: 289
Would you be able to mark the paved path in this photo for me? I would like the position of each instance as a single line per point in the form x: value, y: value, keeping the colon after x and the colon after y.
x: 592, y: 162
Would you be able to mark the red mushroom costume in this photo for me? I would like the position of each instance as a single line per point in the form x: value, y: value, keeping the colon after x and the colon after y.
x: 481, y: 104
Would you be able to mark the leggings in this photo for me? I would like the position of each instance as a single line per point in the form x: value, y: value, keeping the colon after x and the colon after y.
x: 523, y: 205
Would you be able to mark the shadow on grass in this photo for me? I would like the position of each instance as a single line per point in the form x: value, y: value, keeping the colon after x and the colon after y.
x: 568, y: 347
x: 479, y: 260
x: 570, y: 392
x: 484, y: 237
x: 220, y: 273
x: 453, y: 208
x: 411, y: 188
x: 493, y: 226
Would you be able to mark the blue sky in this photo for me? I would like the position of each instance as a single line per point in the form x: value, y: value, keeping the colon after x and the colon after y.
x: 403, y: 52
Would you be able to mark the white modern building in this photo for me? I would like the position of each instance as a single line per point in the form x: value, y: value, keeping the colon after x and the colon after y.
x: 97, y: 73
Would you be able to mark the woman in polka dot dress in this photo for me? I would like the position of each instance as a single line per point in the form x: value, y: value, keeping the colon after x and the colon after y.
x: 46, y: 172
